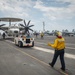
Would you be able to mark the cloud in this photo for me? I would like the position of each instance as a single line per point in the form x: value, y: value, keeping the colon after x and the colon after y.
x: 18, y: 8
x: 54, y: 13
x: 71, y: 1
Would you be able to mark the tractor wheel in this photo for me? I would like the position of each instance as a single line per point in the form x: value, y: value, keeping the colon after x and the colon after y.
x: 20, y: 44
x: 33, y: 44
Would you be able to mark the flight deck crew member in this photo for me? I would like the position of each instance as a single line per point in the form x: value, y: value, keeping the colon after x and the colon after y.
x: 3, y: 35
x: 59, y: 46
x: 42, y: 34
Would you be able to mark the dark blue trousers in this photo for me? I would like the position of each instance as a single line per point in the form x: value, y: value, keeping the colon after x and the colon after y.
x: 59, y: 53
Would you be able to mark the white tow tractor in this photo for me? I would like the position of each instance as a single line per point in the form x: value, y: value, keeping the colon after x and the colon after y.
x: 24, y: 40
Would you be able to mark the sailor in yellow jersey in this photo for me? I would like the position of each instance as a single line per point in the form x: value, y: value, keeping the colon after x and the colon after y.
x: 59, y: 46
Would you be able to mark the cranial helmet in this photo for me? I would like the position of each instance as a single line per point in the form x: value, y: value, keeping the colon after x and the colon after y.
x: 58, y: 34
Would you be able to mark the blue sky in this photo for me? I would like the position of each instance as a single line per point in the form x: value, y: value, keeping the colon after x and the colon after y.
x: 56, y: 14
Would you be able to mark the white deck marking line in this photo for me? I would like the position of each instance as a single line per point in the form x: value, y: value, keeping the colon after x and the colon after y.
x: 70, y: 48
x: 52, y: 42
x: 44, y: 49
x: 10, y: 41
x: 66, y: 47
x: 72, y: 56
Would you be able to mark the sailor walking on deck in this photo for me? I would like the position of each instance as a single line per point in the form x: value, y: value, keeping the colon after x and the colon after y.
x: 59, y: 46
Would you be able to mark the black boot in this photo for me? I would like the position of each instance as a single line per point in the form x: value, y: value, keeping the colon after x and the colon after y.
x: 50, y: 64
x: 62, y: 69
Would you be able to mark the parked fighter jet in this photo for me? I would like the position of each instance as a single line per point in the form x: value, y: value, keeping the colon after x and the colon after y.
x: 68, y: 33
